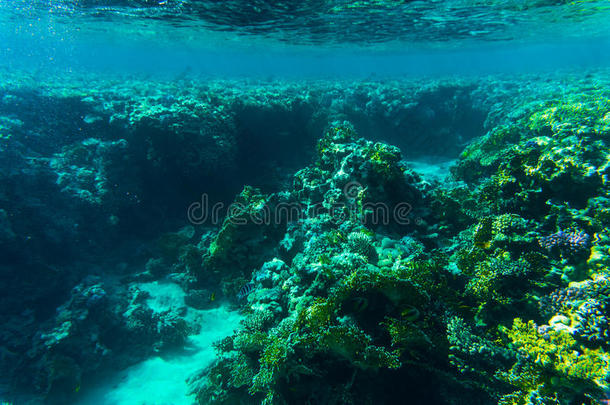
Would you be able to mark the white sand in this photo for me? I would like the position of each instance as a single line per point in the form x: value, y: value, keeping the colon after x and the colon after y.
x: 432, y: 168
x: 161, y: 380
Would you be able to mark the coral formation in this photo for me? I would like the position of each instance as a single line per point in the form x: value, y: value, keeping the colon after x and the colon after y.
x: 371, y: 302
x: 360, y: 280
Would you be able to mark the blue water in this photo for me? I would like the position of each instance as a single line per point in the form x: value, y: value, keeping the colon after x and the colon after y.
x: 119, y: 116
x: 164, y: 37
x: 258, y: 60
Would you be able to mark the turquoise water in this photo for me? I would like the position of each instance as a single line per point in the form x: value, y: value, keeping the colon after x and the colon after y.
x: 304, y: 202
x: 314, y: 38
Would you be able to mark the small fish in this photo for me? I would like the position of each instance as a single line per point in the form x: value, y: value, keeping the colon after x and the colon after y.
x: 245, y: 291
x: 410, y: 314
x: 77, y: 389
x: 213, y: 297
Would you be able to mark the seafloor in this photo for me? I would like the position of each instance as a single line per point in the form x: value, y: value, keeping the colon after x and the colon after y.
x: 467, y: 264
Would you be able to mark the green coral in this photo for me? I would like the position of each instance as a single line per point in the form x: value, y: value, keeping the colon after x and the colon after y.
x: 483, y: 156
x: 361, y: 243
x: 335, y: 136
x: 335, y: 237
x: 553, y: 363
x: 237, y: 246
x: 385, y: 160
x: 579, y: 114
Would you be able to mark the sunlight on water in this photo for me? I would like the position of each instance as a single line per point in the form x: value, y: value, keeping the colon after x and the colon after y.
x: 448, y: 23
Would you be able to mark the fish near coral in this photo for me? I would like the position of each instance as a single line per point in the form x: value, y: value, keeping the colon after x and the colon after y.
x: 245, y: 291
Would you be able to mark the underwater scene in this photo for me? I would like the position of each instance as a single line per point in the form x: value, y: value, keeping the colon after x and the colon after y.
x: 304, y: 202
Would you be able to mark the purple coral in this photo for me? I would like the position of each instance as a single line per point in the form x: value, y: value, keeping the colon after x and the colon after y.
x: 562, y: 299
x: 592, y: 323
x: 570, y: 298
x: 568, y: 243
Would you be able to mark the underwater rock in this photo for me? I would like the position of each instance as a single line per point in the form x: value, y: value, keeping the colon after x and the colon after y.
x: 269, y: 273
x: 91, y: 169
x: 247, y: 237
x: 100, y: 327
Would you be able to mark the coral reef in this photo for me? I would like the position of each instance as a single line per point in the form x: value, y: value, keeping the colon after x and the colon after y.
x: 378, y: 305
x: 552, y: 367
x: 361, y: 280
x: 100, y: 325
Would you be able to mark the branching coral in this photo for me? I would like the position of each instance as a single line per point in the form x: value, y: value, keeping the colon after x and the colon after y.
x: 360, y: 243
x: 552, y: 364
x: 567, y: 243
